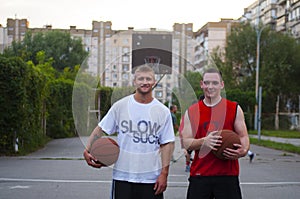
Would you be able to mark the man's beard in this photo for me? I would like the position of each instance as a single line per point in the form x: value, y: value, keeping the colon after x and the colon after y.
x: 140, y: 90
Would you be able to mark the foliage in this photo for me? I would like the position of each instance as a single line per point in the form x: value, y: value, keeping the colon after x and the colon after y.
x: 188, y: 90
x: 276, y: 145
x: 59, y: 105
x: 33, y: 94
x: 278, y: 67
x: 58, y: 46
x: 194, y: 79
x: 22, y: 95
x: 105, y: 94
x: 80, y: 102
x: 119, y: 93
x: 281, y: 133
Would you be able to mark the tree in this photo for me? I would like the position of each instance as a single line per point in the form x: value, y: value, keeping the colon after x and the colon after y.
x: 240, y: 53
x: 65, y: 51
x: 279, y: 67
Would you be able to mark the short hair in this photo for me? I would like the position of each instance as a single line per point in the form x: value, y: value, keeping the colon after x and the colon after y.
x: 213, y: 70
x: 172, y: 107
x: 145, y: 69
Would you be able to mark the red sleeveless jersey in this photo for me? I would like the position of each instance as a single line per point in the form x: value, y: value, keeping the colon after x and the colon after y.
x: 204, y: 120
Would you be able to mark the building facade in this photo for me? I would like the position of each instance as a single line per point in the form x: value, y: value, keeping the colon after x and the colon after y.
x: 281, y: 15
x: 210, y: 37
x: 110, y: 51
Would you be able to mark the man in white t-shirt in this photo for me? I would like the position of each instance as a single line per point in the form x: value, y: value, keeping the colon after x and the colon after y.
x: 146, y: 139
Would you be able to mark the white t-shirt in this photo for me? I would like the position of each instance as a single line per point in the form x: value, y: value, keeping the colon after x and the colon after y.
x: 141, y: 128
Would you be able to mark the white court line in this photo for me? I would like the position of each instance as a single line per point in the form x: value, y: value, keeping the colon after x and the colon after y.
x: 107, y: 181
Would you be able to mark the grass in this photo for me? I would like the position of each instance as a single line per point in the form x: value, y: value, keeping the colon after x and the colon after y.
x: 282, y: 134
x: 276, y: 145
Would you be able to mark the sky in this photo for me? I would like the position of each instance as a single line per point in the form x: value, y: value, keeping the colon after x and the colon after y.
x: 140, y: 14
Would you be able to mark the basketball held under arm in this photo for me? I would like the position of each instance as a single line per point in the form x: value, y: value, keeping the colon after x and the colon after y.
x: 91, y: 160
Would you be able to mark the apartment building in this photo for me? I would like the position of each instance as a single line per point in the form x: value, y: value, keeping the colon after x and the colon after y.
x: 14, y: 31
x: 288, y: 17
x: 281, y: 15
x: 116, y: 70
x: 95, y: 45
x: 110, y: 50
x: 3, y: 38
x: 119, y: 62
x: 209, y: 37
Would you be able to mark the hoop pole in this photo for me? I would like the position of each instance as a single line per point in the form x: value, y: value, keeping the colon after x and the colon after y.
x: 159, y: 80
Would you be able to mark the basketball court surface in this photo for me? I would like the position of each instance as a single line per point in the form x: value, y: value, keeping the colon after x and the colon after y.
x: 59, y: 171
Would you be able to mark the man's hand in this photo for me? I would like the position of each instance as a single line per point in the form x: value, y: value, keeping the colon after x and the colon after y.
x: 213, y: 140
x: 210, y: 142
x: 90, y: 160
x: 161, y: 184
x: 233, y: 154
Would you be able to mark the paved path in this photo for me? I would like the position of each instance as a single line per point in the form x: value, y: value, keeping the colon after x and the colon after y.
x: 59, y: 171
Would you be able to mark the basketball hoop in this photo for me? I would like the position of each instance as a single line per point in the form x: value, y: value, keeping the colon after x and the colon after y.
x: 153, y: 62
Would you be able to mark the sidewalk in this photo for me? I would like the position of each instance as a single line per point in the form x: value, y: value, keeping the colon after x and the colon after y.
x: 293, y: 141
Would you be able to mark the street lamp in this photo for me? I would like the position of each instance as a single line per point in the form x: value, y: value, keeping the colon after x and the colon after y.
x: 258, y: 90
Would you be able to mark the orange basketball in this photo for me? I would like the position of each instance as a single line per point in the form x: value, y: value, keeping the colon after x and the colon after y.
x: 105, y: 150
x: 228, y: 139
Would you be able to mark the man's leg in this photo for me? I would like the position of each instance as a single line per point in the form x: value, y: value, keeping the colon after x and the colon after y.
x: 121, y: 190
x: 199, y: 188
x: 227, y: 187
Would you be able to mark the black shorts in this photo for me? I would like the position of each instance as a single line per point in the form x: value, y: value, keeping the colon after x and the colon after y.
x: 130, y: 190
x: 217, y: 187
x: 189, y: 151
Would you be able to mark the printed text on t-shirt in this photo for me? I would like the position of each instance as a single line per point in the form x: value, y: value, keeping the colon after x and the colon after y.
x: 142, y: 132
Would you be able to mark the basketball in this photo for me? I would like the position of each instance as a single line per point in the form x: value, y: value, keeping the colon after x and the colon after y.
x: 228, y: 139
x: 105, y: 150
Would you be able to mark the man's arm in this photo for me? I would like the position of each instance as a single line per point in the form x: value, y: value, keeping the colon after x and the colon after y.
x: 166, y: 154
x: 241, y: 129
x: 210, y: 142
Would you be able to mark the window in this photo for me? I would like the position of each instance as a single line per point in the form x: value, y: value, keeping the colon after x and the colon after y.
x: 125, y: 76
x: 125, y: 41
x: 159, y: 85
x: 125, y: 67
x: 125, y: 50
x: 158, y: 94
x: 115, y: 76
x: 125, y: 58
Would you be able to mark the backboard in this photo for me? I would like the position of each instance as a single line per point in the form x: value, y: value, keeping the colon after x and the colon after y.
x: 154, y: 50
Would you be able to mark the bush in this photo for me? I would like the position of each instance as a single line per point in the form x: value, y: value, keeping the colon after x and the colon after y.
x: 22, y: 93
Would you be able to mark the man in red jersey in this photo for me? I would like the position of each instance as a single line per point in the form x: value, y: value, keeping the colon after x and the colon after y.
x: 211, y: 177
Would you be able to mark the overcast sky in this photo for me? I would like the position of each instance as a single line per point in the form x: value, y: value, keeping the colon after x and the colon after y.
x: 140, y: 14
